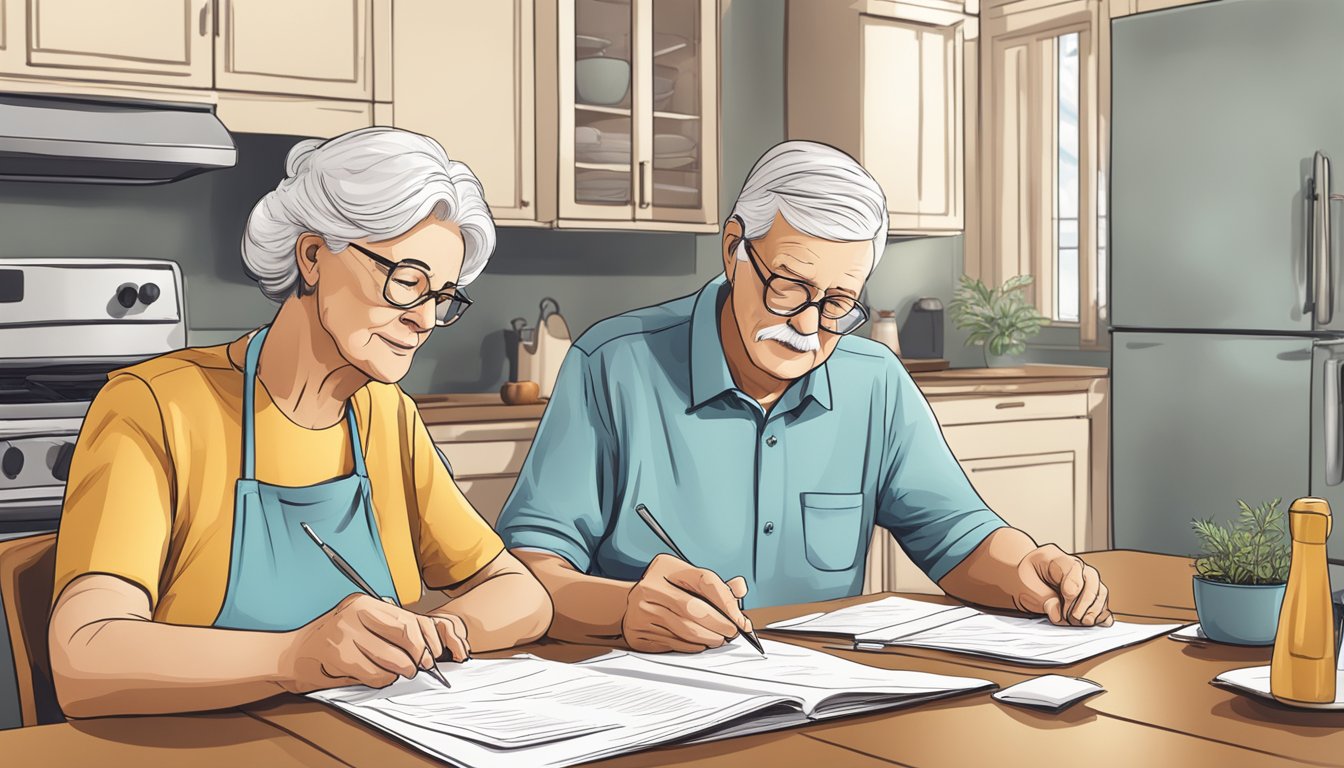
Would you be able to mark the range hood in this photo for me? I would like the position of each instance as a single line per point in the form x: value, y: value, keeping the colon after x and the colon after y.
x: 97, y: 141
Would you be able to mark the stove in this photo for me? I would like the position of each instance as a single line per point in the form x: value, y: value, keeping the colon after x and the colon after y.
x: 64, y: 324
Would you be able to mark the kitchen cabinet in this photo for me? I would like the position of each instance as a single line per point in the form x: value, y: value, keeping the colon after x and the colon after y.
x: 321, y: 48
x: 1128, y: 7
x: 885, y: 82
x: 495, y: 41
x: 628, y: 115
x: 156, y: 42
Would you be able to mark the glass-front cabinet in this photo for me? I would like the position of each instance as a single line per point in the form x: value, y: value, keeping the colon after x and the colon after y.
x: 636, y: 114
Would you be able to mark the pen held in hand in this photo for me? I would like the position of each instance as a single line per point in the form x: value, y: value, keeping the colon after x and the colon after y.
x: 353, y: 575
x: 647, y: 517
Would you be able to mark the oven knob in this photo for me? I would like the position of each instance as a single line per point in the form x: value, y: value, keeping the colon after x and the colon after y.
x: 127, y: 296
x: 149, y: 293
x: 11, y: 462
x: 60, y: 469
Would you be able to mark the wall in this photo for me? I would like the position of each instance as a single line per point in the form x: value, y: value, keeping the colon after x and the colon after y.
x: 592, y: 275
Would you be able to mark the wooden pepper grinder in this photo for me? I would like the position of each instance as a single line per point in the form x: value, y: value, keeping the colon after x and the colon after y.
x: 1303, y: 667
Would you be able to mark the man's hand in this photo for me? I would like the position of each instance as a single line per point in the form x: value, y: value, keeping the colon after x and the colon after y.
x: 669, y: 609
x: 367, y: 641
x: 1064, y: 588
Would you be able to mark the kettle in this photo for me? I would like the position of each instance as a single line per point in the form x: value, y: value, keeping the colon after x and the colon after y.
x: 535, y: 353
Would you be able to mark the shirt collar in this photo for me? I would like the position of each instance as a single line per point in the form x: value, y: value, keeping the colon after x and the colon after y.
x: 710, y: 377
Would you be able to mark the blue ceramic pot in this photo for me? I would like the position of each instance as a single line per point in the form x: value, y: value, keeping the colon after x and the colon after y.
x: 1240, y: 614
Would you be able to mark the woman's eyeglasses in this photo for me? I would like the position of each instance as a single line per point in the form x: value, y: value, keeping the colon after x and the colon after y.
x: 407, y: 286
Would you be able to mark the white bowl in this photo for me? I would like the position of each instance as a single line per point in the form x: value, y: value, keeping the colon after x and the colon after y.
x: 601, y: 80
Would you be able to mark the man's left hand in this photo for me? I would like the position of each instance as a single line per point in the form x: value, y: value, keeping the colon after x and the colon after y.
x: 1064, y: 588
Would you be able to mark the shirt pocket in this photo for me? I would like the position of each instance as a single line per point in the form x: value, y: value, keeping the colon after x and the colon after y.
x: 831, y: 528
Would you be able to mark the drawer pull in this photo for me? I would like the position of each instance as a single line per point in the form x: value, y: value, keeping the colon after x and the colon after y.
x: 1014, y: 404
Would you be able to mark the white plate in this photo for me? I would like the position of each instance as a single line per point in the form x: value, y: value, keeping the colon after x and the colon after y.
x: 599, y: 156
x: 590, y: 45
x: 672, y: 144
x: 676, y: 188
x: 669, y: 163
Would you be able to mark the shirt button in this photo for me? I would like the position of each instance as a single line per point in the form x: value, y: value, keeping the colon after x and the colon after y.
x: 769, y: 528
x: 771, y: 440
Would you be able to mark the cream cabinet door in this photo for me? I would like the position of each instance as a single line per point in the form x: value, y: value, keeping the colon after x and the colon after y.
x: 1034, y: 474
x: 912, y: 120
x: 299, y: 47
x: 485, y: 116
x: 160, y: 42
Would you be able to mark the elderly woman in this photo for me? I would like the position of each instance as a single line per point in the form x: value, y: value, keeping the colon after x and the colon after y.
x: 184, y: 577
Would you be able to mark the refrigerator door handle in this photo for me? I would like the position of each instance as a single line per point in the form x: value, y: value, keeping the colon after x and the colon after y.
x: 1331, y: 413
x: 1322, y: 268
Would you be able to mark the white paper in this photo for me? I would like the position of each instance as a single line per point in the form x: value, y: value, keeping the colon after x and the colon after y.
x: 1051, y: 691
x: 810, y: 676
x: 1191, y: 633
x: 1255, y: 681
x: 564, y: 703
x: 866, y: 618
x: 1033, y: 641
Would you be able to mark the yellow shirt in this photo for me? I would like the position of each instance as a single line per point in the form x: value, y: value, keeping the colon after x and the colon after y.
x: 151, y: 487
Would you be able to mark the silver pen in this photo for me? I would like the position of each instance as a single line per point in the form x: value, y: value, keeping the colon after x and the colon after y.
x: 353, y: 575
x: 647, y: 517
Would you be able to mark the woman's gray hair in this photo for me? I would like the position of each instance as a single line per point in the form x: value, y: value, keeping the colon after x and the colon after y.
x: 820, y: 191
x: 374, y: 183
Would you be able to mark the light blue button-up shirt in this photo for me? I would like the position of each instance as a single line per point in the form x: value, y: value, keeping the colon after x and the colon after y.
x: 645, y: 411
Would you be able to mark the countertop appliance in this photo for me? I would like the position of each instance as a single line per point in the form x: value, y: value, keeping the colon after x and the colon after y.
x: 64, y: 324
x: 1226, y: 286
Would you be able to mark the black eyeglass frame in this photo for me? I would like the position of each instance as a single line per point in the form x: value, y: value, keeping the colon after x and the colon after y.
x: 767, y: 277
x: 459, y: 301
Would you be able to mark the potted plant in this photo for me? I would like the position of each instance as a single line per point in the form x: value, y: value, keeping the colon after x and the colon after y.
x: 1242, y: 573
x: 999, y: 319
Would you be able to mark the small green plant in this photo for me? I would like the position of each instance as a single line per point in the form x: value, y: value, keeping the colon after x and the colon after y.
x: 1254, y: 549
x: 999, y: 319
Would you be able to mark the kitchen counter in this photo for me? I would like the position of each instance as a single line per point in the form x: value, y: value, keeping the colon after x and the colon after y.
x: 485, y: 407
x: 1019, y: 380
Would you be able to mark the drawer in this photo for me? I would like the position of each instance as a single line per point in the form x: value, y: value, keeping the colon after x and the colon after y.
x: 981, y: 409
x: 485, y: 458
x: 477, y: 431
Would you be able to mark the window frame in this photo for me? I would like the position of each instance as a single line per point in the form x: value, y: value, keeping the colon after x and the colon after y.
x: 1015, y: 227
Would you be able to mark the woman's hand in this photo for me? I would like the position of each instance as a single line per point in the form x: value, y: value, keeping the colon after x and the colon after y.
x: 364, y: 641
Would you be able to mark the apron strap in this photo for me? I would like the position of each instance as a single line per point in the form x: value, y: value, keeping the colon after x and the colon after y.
x: 249, y: 401
x: 355, y: 443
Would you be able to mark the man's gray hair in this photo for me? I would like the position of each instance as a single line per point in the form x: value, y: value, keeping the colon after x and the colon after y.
x: 375, y: 183
x: 821, y: 192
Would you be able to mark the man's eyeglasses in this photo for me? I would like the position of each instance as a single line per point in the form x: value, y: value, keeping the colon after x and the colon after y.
x: 407, y: 286
x: 787, y: 297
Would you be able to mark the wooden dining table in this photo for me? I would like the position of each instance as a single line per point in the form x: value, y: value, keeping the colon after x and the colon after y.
x: 1158, y: 708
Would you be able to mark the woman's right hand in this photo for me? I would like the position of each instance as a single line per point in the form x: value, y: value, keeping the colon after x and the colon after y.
x: 365, y: 641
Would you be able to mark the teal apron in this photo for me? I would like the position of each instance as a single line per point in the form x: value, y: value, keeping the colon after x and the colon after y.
x: 278, y: 578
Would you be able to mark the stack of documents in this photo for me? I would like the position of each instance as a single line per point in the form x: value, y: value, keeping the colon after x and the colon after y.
x: 960, y: 628
x: 528, y: 711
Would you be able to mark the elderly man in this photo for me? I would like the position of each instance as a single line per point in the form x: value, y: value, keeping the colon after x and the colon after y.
x: 765, y: 438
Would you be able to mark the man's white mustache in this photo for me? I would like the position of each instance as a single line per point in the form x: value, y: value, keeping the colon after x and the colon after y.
x: 786, y: 335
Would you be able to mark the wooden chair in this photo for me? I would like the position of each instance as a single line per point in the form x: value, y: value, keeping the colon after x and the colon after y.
x: 27, y: 568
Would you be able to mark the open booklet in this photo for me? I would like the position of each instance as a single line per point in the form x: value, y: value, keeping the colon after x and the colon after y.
x: 528, y: 711
x: 960, y: 628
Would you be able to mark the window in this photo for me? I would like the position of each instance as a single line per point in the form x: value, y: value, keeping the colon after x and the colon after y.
x: 1066, y: 179
x: 1041, y: 190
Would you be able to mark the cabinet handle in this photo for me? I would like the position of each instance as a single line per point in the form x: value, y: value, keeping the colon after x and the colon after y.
x: 201, y: 22
x: 1014, y: 404
x: 524, y: 203
x: 219, y: 10
x: 644, y: 192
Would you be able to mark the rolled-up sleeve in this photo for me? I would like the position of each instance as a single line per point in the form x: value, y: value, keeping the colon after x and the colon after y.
x: 557, y: 504
x: 925, y: 499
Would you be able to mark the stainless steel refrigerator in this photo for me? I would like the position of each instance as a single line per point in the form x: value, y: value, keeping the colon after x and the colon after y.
x: 1226, y: 286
